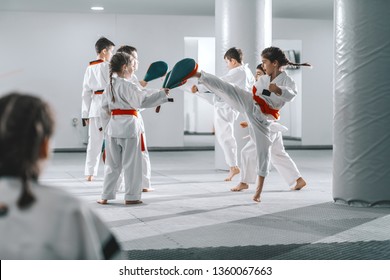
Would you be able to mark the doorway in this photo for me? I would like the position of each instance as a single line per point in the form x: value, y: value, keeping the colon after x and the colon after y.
x: 198, y: 113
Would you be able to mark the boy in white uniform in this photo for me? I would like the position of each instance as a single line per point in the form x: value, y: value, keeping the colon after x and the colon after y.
x: 37, y: 221
x: 96, y: 79
x: 224, y: 115
x: 124, y: 143
x: 262, y: 109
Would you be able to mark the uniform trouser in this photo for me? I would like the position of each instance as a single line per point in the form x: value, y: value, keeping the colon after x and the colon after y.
x: 146, y: 168
x: 248, y: 163
x: 242, y: 101
x: 280, y: 159
x: 126, y: 154
x: 224, y: 132
x: 94, y: 147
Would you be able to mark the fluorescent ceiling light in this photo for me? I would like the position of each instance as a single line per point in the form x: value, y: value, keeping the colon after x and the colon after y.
x: 97, y: 8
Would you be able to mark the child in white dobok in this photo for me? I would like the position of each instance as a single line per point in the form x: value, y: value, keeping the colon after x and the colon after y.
x: 146, y: 166
x: 124, y: 144
x: 95, y: 81
x: 240, y: 75
x: 37, y: 221
x: 280, y: 159
x: 262, y: 108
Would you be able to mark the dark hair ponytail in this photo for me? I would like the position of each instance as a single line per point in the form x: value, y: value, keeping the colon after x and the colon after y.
x: 111, y: 86
x: 117, y: 61
x: 276, y: 54
x: 25, y: 123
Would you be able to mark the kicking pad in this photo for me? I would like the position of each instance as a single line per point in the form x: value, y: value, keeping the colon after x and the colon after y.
x: 183, y: 70
x: 156, y: 70
x: 166, y: 79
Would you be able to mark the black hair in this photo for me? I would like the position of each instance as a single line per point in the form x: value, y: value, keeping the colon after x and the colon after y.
x: 103, y: 43
x: 25, y: 122
x: 127, y: 49
x: 117, y: 61
x: 276, y: 54
x: 260, y: 67
x: 234, y: 53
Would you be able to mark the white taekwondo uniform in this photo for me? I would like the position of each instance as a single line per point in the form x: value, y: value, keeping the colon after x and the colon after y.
x: 146, y: 166
x: 56, y: 226
x: 244, y: 102
x: 123, y: 135
x: 96, y: 79
x: 280, y: 159
x: 224, y: 114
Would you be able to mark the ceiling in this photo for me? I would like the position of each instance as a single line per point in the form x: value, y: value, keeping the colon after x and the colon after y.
x: 314, y: 9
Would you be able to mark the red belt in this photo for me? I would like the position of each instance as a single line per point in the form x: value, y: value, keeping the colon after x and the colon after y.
x: 116, y: 112
x: 264, y: 107
x: 99, y: 91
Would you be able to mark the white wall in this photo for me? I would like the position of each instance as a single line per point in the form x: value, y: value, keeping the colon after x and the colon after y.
x: 317, y: 83
x: 47, y: 53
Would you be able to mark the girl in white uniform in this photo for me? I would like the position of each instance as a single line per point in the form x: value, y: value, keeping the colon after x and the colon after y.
x: 262, y: 109
x: 124, y: 143
x: 280, y: 159
x: 95, y: 81
x: 146, y: 167
x: 224, y: 115
x: 36, y: 221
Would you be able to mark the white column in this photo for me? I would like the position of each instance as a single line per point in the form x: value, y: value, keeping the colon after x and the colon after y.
x: 361, y: 149
x: 244, y: 24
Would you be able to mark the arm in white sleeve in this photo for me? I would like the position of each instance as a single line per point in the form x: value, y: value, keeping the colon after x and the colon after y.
x: 148, y: 99
x: 289, y: 91
x: 86, y: 97
x: 154, y: 99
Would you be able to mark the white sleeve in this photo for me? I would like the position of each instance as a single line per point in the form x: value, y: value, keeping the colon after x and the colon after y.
x: 154, y: 99
x: 86, y: 96
x: 147, y: 99
x: 289, y: 91
x: 80, y: 234
x: 288, y: 94
x: 235, y: 77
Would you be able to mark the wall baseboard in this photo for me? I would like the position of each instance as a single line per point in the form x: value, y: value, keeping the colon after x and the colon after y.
x: 200, y: 148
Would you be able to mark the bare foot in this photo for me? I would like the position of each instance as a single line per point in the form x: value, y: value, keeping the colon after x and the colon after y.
x: 147, y: 190
x: 102, y: 201
x: 133, y: 202
x: 256, y: 197
x: 241, y: 186
x: 300, y: 184
x: 89, y: 178
x: 234, y: 170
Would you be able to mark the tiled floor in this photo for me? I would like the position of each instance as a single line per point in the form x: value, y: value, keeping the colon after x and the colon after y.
x: 193, y: 215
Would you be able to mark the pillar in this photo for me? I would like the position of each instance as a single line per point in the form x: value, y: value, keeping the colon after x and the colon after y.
x: 361, y: 149
x: 245, y: 24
